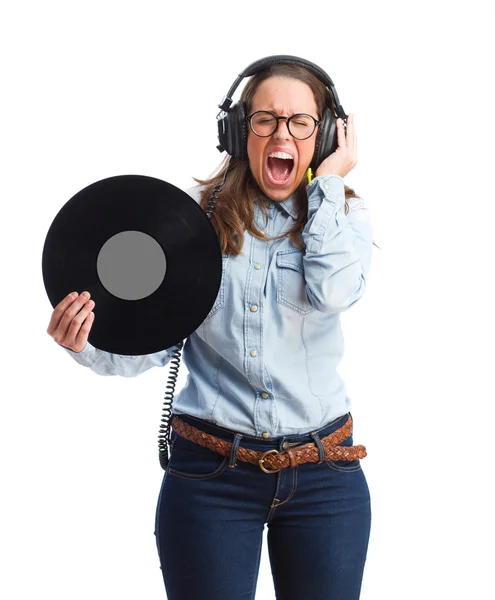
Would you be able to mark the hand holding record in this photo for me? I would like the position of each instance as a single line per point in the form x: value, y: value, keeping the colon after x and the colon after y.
x: 71, y: 321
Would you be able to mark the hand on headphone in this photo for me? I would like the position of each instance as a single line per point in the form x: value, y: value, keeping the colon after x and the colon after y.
x: 344, y: 159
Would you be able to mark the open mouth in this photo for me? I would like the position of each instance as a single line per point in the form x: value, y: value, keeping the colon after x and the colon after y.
x: 279, y: 167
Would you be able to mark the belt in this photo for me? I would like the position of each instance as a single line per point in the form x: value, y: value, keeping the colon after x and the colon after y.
x: 273, y: 459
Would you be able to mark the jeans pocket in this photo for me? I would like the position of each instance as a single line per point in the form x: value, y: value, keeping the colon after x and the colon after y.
x: 291, y: 285
x: 192, y: 461
x: 345, y: 465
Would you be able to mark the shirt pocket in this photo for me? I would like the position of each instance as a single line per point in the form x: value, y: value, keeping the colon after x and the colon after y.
x: 220, y: 299
x: 291, y: 285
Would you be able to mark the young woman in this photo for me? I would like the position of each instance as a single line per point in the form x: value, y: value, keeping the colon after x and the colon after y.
x: 262, y: 430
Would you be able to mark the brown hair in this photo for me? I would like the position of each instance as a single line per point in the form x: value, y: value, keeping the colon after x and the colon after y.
x: 234, y: 210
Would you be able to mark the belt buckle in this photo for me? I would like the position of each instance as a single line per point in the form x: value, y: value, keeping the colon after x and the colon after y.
x: 263, y: 458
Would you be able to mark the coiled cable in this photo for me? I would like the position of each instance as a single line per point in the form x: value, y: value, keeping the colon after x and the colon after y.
x: 164, y: 431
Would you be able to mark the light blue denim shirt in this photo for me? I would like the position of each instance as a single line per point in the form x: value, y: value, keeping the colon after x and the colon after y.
x: 265, y: 358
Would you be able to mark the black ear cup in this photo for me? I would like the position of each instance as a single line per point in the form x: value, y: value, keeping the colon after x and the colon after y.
x: 326, y: 139
x: 232, y: 131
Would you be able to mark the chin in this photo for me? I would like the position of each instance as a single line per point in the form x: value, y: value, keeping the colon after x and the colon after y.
x: 275, y: 192
x: 278, y: 195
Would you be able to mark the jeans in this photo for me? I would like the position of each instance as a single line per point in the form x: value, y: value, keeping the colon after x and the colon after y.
x: 211, y: 515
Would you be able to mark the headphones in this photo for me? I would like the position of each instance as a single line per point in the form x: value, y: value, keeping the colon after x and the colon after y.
x: 232, y: 122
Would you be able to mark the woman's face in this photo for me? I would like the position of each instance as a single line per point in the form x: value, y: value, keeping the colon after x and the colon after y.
x: 285, y: 97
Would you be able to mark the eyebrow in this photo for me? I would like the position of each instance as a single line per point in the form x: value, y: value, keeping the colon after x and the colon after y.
x: 278, y: 112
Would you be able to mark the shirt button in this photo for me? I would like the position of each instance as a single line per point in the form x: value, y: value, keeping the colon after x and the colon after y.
x: 267, y: 202
x: 253, y: 352
x: 325, y: 186
x: 257, y: 266
x: 254, y: 308
x: 266, y: 434
x: 264, y: 395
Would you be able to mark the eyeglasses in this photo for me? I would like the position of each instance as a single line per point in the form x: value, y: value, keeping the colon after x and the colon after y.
x: 264, y: 123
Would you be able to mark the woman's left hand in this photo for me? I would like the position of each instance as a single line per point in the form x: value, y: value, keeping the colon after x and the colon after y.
x: 344, y: 159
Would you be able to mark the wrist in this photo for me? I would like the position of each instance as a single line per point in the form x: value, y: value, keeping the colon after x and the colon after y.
x: 328, y: 177
x: 323, y: 173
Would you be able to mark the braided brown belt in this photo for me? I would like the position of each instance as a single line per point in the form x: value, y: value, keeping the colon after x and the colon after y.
x: 273, y: 459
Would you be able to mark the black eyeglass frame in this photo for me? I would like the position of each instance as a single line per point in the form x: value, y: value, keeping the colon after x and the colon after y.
x: 286, y: 119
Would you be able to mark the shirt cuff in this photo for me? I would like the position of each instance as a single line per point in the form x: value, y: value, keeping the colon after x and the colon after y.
x: 330, y: 187
x: 86, y: 357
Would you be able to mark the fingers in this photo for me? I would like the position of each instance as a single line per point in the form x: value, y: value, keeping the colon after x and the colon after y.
x: 74, y: 338
x: 59, y: 311
x: 75, y: 305
x: 341, y: 134
x: 344, y: 158
x: 351, y: 138
x: 69, y: 325
x: 83, y: 331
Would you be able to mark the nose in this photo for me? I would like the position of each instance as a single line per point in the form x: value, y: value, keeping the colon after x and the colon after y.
x: 282, y: 131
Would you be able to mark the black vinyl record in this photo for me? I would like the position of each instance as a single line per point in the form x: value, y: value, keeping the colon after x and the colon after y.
x: 148, y: 255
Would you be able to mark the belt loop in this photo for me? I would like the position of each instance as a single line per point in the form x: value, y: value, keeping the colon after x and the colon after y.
x: 233, y: 451
x: 321, y: 449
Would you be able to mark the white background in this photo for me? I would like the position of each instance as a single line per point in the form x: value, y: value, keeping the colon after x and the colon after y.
x: 96, y: 89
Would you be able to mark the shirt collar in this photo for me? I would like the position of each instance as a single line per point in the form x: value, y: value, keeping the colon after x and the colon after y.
x: 288, y: 205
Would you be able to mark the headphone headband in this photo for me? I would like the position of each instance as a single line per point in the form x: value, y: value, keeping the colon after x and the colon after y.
x: 264, y: 63
x: 283, y: 59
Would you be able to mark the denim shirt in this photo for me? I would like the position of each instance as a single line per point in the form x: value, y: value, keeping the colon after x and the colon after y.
x: 264, y: 361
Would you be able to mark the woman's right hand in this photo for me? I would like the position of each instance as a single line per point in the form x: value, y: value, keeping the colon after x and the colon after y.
x: 71, y: 321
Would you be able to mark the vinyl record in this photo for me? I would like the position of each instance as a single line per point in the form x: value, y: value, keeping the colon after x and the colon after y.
x: 145, y: 251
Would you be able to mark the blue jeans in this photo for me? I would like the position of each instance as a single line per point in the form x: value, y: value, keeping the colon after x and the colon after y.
x: 211, y: 515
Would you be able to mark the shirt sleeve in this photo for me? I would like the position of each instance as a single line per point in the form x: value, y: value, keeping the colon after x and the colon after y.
x: 195, y: 192
x: 106, y: 363
x: 338, y: 246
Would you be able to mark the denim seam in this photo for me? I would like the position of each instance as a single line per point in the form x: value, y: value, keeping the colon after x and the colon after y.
x: 247, y: 312
x: 217, y: 380
x: 303, y: 323
x: 331, y: 465
x: 294, y: 488
x: 157, y: 519
x: 218, y: 471
x: 221, y: 298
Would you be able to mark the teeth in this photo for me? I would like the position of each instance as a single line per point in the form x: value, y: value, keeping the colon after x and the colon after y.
x: 280, y: 155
